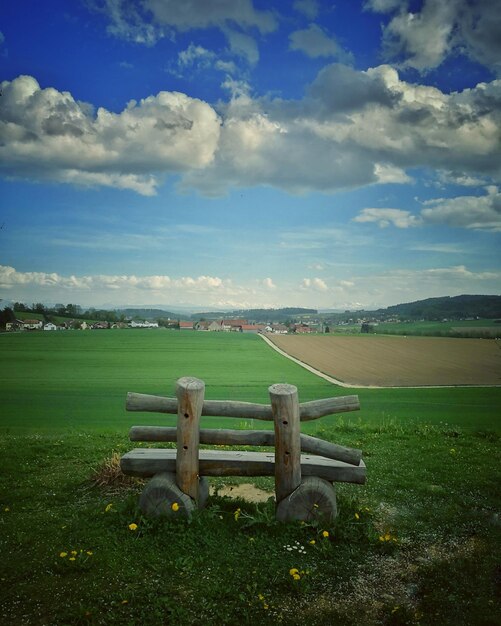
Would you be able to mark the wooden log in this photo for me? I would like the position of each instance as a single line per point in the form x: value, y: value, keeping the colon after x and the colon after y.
x: 190, y: 397
x: 162, y: 497
x: 246, y: 410
x: 285, y: 407
x: 228, y: 437
x: 313, y: 500
x: 144, y: 462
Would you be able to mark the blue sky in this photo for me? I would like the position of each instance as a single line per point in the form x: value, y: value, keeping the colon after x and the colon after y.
x: 242, y: 153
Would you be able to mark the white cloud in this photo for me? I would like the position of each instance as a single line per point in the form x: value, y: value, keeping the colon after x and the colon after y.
x: 385, y: 217
x: 48, y: 135
x: 242, y: 45
x: 315, y: 42
x: 147, y: 21
x: 425, y: 38
x: 472, y: 212
x: 352, y: 129
x: 195, y: 55
x: 269, y: 284
x: 316, y: 284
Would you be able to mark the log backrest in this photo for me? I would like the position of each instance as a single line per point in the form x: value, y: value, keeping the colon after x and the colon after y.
x: 284, y: 410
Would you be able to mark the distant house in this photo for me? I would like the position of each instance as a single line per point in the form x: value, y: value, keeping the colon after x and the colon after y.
x: 100, y: 325
x: 233, y: 325
x: 15, y: 325
x: 252, y: 328
x: 214, y: 326
x: 303, y: 329
x: 32, y: 324
x: 50, y: 326
x: 279, y: 329
x: 185, y: 325
x: 137, y: 324
x: 202, y: 325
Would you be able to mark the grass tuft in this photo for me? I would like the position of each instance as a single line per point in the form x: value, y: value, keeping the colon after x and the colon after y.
x: 109, y: 476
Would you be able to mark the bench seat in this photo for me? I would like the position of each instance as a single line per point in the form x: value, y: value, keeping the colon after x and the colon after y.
x: 145, y: 462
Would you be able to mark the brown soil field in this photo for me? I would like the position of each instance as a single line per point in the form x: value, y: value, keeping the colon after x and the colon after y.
x: 394, y: 361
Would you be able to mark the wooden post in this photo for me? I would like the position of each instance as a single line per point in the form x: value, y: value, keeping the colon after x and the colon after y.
x: 285, y: 409
x: 190, y: 397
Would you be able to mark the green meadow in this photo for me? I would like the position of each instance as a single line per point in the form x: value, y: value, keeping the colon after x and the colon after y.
x: 418, y: 544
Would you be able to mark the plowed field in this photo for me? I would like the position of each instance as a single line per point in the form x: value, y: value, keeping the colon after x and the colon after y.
x: 398, y: 361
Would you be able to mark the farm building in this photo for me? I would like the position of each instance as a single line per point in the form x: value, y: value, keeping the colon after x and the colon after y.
x: 185, y: 325
x: 252, y: 328
x: 50, y: 326
x: 32, y: 324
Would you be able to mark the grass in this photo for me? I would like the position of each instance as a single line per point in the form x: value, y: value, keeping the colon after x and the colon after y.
x: 439, y: 565
x: 486, y: 328
x: 418, y: 544
x: 79, y: 379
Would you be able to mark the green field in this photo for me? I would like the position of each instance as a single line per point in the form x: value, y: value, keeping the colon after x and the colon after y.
x: 79, y: 380
x: 454, y: 328
x: 419, y: 544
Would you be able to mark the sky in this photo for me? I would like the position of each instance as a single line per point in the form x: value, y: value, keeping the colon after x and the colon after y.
x: 222, y: 154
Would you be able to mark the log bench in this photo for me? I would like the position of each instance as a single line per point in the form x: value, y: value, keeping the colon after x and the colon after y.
x: 303, y: 482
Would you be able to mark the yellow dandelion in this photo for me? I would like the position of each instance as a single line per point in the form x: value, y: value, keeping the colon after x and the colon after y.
x: 74, y: 552
x: 357, y: 516
x: 72, y: 558
x: 89, y: 552
x: 381, y: 538
x: 325, y: 534
x: 260, y: 596
x: 293, y: 571
x: 175, y: 506
x: 236, y: 515
x: 63, y: 554
x: 265, y: 606
x: 296, y: 577
x: 108, y: 508
x: 6, y: 509
x: 387, y: 537
x: 313, y: 542
x: 132, y: 526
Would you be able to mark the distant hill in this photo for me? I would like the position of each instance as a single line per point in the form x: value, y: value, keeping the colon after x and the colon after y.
x: 148, y: 314
x: 455, y: 307
x: 257, y: 315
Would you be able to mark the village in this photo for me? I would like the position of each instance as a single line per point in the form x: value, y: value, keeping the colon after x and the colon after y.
x: 223, y: 325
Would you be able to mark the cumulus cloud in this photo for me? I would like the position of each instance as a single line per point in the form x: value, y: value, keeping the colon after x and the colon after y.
x: 315, y: 42
x: 471, y: 212
x: 423, y: 39
x: 385, y: 217
x: 269, y: 284
x: 46, y: 134
x: 10, y: 278
x: 352, y: 128
x: 316, y: 284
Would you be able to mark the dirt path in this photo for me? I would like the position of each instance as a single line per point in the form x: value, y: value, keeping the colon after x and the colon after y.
x: 396, y: 362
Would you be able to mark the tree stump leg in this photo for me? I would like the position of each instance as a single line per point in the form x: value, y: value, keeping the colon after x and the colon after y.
x: 314, y: 499
x: 162, y: 497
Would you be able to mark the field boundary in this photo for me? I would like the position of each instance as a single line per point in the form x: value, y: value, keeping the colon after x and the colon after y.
x: 341, y: 383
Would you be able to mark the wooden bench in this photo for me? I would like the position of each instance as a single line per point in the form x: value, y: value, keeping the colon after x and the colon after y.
x: 303, y: 482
